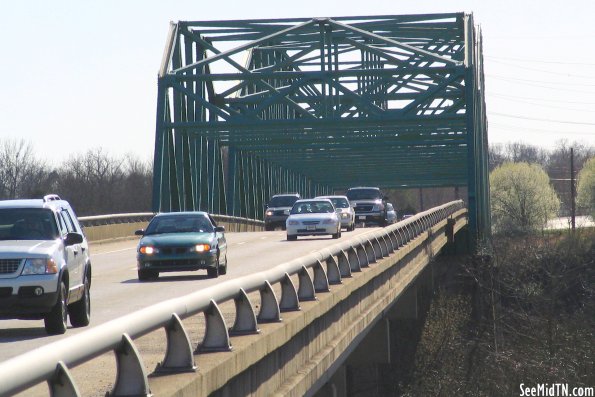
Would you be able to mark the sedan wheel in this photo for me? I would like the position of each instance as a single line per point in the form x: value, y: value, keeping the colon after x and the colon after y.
x: 223, y: 269
x: 213, y: 272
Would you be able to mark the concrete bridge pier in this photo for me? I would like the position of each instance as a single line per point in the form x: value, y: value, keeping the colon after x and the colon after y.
x: 388, y: 348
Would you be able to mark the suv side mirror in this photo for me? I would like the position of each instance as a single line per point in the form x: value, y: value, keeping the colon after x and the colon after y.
x: 220, y: 229
x: 72, y: 239
x: 139, y: 232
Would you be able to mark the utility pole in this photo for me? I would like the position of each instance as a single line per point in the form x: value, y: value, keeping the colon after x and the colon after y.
x: 572, y: 191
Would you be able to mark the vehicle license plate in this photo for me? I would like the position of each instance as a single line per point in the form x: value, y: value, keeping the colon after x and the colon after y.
x: 361, y: 217
x: 311, y: 227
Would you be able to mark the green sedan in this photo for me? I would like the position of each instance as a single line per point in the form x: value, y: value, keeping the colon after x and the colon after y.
x: 181, y: 241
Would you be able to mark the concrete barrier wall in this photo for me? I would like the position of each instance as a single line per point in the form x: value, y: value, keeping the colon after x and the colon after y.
x: 297, y: 356
x: 109, y: 227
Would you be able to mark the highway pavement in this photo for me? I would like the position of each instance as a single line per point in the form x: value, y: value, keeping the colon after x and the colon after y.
x: 116, y: 290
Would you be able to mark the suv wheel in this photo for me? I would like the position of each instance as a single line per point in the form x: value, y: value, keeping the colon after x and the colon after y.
x: 291, y: 237
x: 80, y: 312
x: 269, y: 228
x: 55, y: 320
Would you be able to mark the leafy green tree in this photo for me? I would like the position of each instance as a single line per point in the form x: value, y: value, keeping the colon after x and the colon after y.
x: 522, y: 198
x: 586, y: 187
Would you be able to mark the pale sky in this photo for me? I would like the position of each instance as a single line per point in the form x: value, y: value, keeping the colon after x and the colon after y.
x: 79, y: 74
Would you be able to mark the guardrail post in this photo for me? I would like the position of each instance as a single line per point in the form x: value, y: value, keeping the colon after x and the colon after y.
x: 306, y: 287
x: 344, y: 266
x: 320, y: 278
x: 289, y: 297
x: 131, y: 378
x: 362, y: 255
x: 61, y: 384
x: 245, y: 322
x: 354, y: 260
x: 216, y: 337
x: 332, y: 271
x: 377, y: 249
x: 369, y: 252
x: 178, y: 355
x: 269, y: 306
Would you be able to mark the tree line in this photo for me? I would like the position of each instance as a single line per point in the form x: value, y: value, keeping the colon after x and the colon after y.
x: 94, y: 182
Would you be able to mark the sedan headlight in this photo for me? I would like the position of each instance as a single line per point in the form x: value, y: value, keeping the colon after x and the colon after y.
x: 202, y: 247
x: 329, y: 221
x: 40, y: 266
x: 148, y: 250
x: 293, y: 223
x: 344, y: 215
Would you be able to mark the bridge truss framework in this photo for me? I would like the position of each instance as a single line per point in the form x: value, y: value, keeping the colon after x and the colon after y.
x: 251, y: 108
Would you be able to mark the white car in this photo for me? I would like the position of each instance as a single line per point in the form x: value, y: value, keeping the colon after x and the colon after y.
x: 313, y: 217
x: 347, y: 214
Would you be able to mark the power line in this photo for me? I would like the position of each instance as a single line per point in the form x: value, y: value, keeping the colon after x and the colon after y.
x: 546, y: 87
x: 538, y: 81
x: 514, y: 116
x: 541, y: 61
x: 549, y: 106
x: 545, y: 71
x: 540, y: 99
x: 516, y: 128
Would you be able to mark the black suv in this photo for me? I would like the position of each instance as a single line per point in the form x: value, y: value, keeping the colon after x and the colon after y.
x: 369, y: 204
x: 277, y: 210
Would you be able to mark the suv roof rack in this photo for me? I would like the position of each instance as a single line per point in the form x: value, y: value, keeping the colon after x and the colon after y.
x: 51, y: 197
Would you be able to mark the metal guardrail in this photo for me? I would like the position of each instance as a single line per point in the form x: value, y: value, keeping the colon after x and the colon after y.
x: 98, y: 220
x: 108, y: 227
x: 50, y: 363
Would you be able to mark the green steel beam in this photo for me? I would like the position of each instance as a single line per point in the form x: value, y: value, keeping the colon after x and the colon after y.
x: 250, y: 108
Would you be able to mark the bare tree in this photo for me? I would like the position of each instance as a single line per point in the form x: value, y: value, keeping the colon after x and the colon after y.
x: 21, y: 173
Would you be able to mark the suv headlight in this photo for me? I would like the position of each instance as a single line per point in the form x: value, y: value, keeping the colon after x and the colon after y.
x: 39, y: 266
x: 269, y: 213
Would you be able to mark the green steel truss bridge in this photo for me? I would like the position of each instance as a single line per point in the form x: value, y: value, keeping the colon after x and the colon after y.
x: 251, y: 108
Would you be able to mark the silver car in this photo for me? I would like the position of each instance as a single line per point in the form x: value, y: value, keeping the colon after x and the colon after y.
x: 347, y: 214
x: 313, y: 217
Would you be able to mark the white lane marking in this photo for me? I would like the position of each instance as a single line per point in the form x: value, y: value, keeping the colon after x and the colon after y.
x: 263, y: 238
x: 111, y: 252
x: 242, y: 242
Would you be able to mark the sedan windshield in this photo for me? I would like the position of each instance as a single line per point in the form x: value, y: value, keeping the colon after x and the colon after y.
x: 179, y: 224
x: 282, y: 201
x: 363, y: 194
x: 27, y: 224
x: 340, y: 202
x: 313, y: 207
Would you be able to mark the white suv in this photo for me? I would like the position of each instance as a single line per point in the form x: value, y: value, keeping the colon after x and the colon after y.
x: 45, y: 269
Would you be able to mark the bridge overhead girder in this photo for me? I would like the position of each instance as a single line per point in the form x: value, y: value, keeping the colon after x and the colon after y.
x: 251, y: 108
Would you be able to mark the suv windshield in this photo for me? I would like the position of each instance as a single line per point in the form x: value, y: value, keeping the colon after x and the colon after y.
x: 179, y: 224
x: 27, y: 224
x: 363, y: 194
x: 282, y: 201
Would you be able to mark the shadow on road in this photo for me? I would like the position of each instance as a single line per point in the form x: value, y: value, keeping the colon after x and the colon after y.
x: 166, y: 279
x: 21, y: 334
